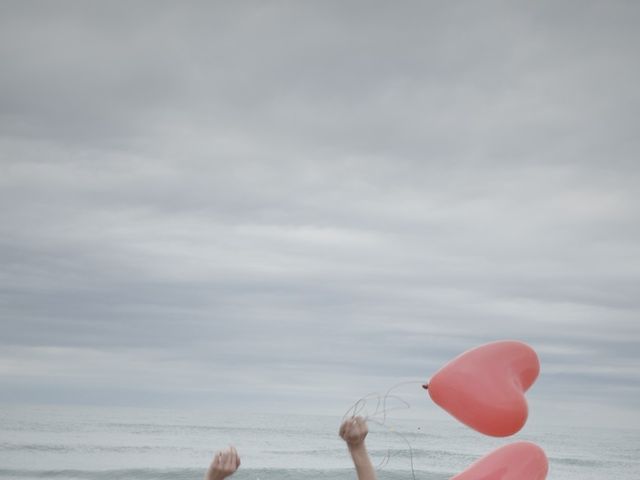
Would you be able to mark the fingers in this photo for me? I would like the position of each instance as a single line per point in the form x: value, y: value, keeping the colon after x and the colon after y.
x: 362, y: 425
x: 226, y: 460
x: 216, y: 460
x: 354, y: 430
x: 358, y: 423
x: 353, y: 426
x: 236, y: 456
x: 229, y: 461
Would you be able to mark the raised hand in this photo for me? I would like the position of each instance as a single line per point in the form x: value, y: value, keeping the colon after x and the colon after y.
x: 224, y: 464
x: 353, y: 431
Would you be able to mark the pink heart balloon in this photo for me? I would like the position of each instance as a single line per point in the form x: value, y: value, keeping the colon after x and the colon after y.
x: 484, y: 387
x: 517, y: 461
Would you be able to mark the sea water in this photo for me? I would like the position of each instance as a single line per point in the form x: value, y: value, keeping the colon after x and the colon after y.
x: 100, y: 443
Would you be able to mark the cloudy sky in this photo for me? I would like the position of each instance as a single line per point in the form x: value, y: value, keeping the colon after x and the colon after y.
x: 285, y: 205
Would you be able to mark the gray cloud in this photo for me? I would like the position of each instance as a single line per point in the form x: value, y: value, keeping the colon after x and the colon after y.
x: 315, y: 200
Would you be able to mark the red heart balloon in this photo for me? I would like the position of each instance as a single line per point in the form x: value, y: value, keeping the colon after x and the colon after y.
x: 517, y: 461
x: 484, y: 387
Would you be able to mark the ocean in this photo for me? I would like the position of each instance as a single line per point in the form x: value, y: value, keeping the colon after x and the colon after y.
x: 137, y: 444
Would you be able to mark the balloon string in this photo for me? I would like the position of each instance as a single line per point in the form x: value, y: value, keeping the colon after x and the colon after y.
x: 381, y: 409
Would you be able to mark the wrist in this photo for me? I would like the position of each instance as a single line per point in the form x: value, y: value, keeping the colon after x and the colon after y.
x: 357, y: 449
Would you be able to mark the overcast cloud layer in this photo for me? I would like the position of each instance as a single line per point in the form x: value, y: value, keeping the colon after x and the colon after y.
x: 289, y: 204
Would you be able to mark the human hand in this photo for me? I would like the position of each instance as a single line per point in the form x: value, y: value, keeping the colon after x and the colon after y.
x: 353, y: 431
x: 224, y: 464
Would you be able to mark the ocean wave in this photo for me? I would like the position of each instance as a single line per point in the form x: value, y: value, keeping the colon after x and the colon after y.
x: 84, y: 448
x: 381, y: 452
x: 14, y: 447
x: 191, y: 473
x: 132, y: 474
x: 591, y: 463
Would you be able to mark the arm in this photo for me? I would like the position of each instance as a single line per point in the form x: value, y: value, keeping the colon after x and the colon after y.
x: 224, y: 464
x: 353, y: 431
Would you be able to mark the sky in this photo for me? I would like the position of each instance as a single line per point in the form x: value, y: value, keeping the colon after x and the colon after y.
x: 287, y: 205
